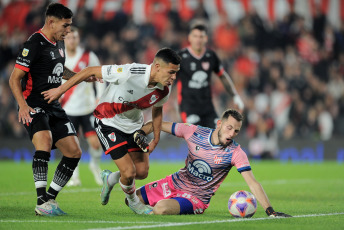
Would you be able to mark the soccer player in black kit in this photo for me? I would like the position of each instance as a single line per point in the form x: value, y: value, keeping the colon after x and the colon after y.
x: 39, y: 67
x: 194, y: 80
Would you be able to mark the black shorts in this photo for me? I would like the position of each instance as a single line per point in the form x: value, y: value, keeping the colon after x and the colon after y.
x: 85, y: 122
x: 208, y: 119
x: 115, y: 142
x: 55, y: 120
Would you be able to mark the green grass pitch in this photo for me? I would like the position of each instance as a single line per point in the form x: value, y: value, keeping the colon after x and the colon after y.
x: 313, y: 193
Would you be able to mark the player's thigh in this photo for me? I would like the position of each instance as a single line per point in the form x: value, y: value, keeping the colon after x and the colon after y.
x: 39, y: 131
x: 69, y: 146
x: 167, y: 207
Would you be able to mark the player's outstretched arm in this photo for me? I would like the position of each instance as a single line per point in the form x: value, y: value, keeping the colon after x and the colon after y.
x: 166, y: 126
x: 258, y: 191
x: 230, y: 88
x: 54, y: 94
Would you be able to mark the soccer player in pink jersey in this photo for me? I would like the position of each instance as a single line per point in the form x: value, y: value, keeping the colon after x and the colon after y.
x: 132, y: 88
x: 212, y: 153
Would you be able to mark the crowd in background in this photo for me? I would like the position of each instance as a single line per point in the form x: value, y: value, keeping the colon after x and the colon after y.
x: 290, y: 75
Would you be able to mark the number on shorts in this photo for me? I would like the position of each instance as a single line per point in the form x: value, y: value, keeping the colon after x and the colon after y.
x: 70, y: 127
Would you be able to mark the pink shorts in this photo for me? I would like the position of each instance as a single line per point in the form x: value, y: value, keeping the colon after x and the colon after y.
x: 164, y: 189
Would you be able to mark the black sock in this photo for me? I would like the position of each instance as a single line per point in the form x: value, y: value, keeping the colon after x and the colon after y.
x: 40, y: 174
x: 63, y: 173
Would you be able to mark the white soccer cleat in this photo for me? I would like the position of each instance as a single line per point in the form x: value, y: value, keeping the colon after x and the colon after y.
x: 141, y: 209
x: 95, y: 169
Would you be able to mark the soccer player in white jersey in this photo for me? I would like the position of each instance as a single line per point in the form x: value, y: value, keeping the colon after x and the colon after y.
x: 212, y: 153
x: 80, y: 101
x: 132, y: 88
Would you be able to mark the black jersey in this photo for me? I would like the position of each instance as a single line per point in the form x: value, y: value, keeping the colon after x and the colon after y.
x: 43, y: 60
x: 194, y: 78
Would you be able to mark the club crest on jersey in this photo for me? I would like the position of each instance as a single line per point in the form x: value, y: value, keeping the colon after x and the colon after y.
x: 153, y: 99
x: 217, y: 160
x: 112, y: 137
x: 25, y: 52
x: 205, y: 65
x: 61, y: 52
x: 119, y: 70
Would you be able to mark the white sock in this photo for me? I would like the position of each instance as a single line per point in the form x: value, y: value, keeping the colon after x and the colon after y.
x: 130, y: 192
x: 96, y: 155
x: 76, y: 174
x: 114, y: 178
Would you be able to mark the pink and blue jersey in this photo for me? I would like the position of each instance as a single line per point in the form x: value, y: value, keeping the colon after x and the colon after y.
x: 206, y: 165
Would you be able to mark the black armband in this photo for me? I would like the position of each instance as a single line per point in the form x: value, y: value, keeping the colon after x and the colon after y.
x: 270, y: 211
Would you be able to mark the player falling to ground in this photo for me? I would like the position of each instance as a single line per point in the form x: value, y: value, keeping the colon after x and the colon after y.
x: 39, y: 67
x: 212, y: 153
x: 194, y: 80
x: 80, y: 101
x: 133, y: 88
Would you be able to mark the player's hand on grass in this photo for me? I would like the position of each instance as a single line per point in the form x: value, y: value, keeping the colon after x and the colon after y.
x: 24, y: 114
x: 271, y: 213
x: 52, y: 94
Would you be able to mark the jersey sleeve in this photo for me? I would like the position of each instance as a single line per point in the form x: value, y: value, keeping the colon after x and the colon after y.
x: 27, y: 56
x: 184, y: 130
x: 218, y: 68
x: 93, y: 60
x: 164, y: 100
x: 240, y: 160
x: 116, y: 74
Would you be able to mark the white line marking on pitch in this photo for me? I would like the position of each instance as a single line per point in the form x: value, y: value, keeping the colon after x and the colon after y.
x: 155, y: 224
x: 210, y: 222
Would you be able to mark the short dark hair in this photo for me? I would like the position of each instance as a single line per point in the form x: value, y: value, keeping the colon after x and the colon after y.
x: 169, y: 56
x: 233, y: 113
x: 58, y: 10
x: 198, y: 26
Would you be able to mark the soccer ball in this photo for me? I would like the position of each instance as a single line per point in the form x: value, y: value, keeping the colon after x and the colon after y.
x: 242, y: 204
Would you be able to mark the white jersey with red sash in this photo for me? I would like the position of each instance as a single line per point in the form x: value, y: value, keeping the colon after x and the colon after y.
x: 81, y: 99
x: 127, y: 95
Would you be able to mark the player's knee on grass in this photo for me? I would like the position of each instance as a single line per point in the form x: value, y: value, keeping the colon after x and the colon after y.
x: 167, y: 207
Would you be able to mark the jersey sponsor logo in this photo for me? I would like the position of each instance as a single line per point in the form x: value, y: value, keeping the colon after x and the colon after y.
x: 58, y: 70
x: 217, y: 160
x: 52, y: 55
x: 201, y: 170
x: 112, y: 137
x: 198, y: 80
x: 153, y: 99
x: 61, y: 52
x: 119, y: 70
x: 25, y: 52
x: 22, y: 63
x: 205, y: 65
x: 38, y: 110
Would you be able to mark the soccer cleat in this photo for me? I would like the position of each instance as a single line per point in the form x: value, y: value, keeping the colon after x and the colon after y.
x: 141, y: 140
x: 141, y: 209
x: 56, y: 208
x: 45, y: 209
x: 106, y: 189
x: 95, y: 169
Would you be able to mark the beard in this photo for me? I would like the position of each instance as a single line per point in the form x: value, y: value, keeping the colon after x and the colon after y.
x: 223, y: 145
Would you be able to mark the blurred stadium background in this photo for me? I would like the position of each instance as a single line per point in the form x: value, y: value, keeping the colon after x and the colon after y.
x: 286, y: 58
